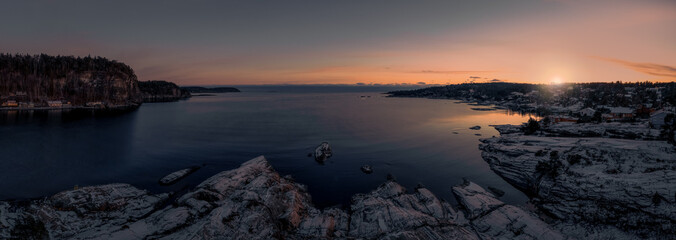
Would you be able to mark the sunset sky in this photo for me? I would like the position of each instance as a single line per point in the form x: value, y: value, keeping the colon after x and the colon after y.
x: 348, y: 42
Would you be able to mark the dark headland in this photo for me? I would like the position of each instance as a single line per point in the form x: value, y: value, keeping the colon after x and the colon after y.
x: 44, y: 82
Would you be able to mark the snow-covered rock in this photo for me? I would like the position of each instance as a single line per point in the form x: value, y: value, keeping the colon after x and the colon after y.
x: 493, y: 219
x: 255, y: 202
x: 639, y: 130
x: 628, y: 184
x: 88, y: 212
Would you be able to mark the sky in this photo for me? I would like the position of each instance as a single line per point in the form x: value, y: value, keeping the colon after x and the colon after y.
x: 356, y: 42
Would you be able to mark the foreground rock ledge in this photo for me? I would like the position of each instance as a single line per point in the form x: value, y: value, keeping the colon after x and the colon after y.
x: 619, y: 185
x: 255, y: 202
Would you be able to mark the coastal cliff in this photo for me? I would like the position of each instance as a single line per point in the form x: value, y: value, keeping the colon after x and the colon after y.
x: 255, y: 202
x: 162, y: 91
x: 43, y: 80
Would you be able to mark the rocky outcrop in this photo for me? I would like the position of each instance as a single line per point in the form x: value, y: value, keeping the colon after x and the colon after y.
x: 611, y: 130
x: 493, y: 219
x: 638, y: 130
x: 178, y: 175
x: 255, y: 202
x: 89, y: 212
x: 628, y: 184
x: 323, y: 152
x: 78, y: 80
x: 162, y: 91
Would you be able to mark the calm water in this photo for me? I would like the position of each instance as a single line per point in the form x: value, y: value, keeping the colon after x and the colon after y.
x: 412, y: 139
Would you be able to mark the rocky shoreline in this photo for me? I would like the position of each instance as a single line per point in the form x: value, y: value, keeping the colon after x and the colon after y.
x: 608, y: 182
x: 255, y: 202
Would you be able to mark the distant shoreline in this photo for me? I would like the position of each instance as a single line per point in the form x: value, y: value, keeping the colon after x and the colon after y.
x: 116, y: 108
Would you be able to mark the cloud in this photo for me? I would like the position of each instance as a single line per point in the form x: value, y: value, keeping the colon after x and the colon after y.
x: 474, y: 77
x: 647, y: 68
x: 496, y: 80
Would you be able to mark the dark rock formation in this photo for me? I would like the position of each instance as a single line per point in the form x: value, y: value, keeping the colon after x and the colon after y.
x: 41, y: 78
x: 178, y: 175
x: 367, y: 169
x: 323, y: 151
x: 161, y: 91
x: 255, y: 202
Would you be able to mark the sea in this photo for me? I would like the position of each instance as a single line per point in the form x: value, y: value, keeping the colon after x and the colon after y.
x: 419, y: 142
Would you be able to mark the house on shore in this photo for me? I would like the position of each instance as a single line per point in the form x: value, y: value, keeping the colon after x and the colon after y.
x: 587, y: 112
x: 10, y: 103
x: 657, y: 119
x: 95, y: 104
x: 618, y: 113
x: 55, y: 104
x: 562, y: 118
x: 26, y: 105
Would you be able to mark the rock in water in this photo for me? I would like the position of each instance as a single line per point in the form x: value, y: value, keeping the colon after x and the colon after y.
x: 366, y: 169
x: 475, y: 127
x: 323, y: 151
x: 178, y: 175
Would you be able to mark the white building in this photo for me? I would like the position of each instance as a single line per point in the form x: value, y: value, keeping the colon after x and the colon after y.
x: 657, y: 118
x: 589, y: 112
x: 54, y: 103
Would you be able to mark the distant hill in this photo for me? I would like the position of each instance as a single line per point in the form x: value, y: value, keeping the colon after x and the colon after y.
x: 589, y: 94
x: 210, y: 90
x: 161, y: 91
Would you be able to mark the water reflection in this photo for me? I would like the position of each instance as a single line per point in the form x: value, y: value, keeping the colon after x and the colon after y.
x: 47, y: 151
x: 409, y: 138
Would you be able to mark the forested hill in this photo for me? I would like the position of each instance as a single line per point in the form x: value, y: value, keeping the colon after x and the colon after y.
x: 588, y: 94
x: 41, y: 78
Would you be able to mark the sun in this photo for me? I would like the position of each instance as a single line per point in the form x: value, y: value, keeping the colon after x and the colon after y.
x: 557, y: 80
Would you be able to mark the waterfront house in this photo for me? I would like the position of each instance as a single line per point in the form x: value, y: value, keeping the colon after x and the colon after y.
x: 621, y: 112
x: 657, y: 118
x: 644, y: 110
x: 95, y: 104
x: 587, y: 112
x: 562, y: 118
x: 26, y: 105
x: 55, y: 104
x: 10, y: 103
